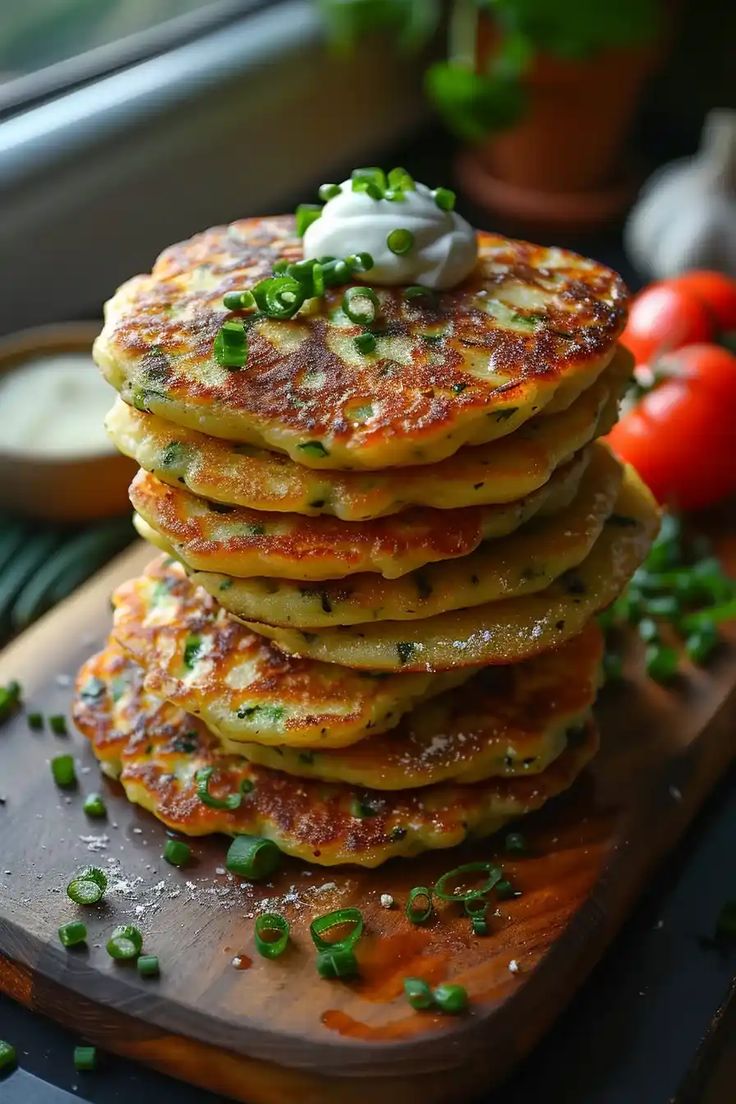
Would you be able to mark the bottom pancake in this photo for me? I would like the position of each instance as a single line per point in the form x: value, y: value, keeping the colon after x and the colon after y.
x: 156, y: 749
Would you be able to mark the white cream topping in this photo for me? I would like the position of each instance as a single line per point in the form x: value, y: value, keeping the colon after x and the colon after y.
x: 443, y: 252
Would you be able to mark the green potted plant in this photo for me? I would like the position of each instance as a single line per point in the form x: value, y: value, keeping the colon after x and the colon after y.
x: 541, y: 91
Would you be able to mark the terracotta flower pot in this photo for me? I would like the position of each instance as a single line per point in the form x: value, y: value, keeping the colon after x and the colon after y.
x: 562, y: 161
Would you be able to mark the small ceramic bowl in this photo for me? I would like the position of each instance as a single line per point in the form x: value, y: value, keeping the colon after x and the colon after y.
x: 73, y: 488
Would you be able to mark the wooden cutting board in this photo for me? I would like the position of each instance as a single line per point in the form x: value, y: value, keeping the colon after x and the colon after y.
x: 272, y: 1032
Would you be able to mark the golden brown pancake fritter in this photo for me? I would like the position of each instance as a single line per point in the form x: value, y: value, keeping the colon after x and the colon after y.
x: 497, y: 632
x: 243, y: 687
x: 523, y: 563
x: 156, y: 749
x: 236, y: 541
x: 529, y: 330
x: 243, y: 475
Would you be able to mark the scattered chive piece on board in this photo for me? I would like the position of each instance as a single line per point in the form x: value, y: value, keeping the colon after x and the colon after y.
x: 85, y: 1058
x: 94, y: 805
x: 177, y: 853
x: 148, y: 966
x: 57, y: 724
x: 71, y: 935
x: 62, y: 768
x: 7, y: 1055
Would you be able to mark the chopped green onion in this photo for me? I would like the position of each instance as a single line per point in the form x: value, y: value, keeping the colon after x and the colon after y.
x: 35, y: 721
x: 279, y: 296
x: 57, y: 724
x: 253, y: 857
x: 62, y: 768
x: 330, y: 920
x: 358, y: 262
x: 328, y: 191
x: 700, y: 644
x: 476, y: 908
x: 306, y: 214
x: 271, y: 934
x: 239, y: 300
x: 400, y: 241
x: 94, y: 805
x: 648, y: 630
x: 336, y: 272
x: 493, y: 875
x: 505, y: 890
x: 418, y: 993
x: 444, y: 198
x: 360, y: 304
x: 400, y: 180
x: 515, y: 843
x: 9, y: 699
x: 340, y: 962
x: 8, y: 1055
x: 71, y: 935
x: 177, y: 852
x: 83, y: 891
x: 417, y: 291
x: 479, y: 924
x: 148, y: 966
x: 231, y: 344
x: 202, y: 778
x: 125, y: 943
x: 94, y: 874
x: 314, y: 448
x: 419, y: 913
x: 365, y: 343
x: 451, y: 998
x: 661, y: 662
x: 85, y: 1058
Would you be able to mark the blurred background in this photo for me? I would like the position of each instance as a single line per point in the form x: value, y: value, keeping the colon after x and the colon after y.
x: 126, y: 125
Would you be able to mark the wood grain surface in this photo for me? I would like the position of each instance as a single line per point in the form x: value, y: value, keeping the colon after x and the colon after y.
x: 273, y: 1031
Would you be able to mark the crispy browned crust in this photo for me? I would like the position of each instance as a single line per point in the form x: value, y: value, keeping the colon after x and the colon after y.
x: 478, y: 381
x: 156, y: 749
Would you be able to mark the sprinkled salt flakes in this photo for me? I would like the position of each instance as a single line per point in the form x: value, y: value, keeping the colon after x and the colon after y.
x: 96, y: 843
x: 513, y: 966
x: 387, y: 901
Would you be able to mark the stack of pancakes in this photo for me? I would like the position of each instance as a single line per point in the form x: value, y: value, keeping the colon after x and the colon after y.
x: 374, y: 618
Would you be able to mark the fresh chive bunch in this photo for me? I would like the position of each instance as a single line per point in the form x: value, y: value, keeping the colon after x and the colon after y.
x: 680, y: 584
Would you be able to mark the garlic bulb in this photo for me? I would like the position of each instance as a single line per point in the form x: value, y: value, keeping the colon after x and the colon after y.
x: 685, y: 216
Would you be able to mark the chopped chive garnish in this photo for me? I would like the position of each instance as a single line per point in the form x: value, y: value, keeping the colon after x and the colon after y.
x: 71, y: 935
x: 418, y: 993
x: 177, y: 852
x: 85, y: 1058
x: 401, y: 180
x: 515, y: 843
x: 313, y: 448
x: 479, y: 924
x: 83, y: 891
x: 252, y: 857
x: 358, y: 262
x: 340, y: 962
x: 306, y: 214
x: 328, y: 191
x: 365, y: 343
x: 419, y: 906
x: 360, y: 304
x: 125, y: 943
x: 400, y: 241
x: 504, y: 890
x: 279, y: 296
x: 336, y: 272
x: 35, y: 721
x: 148, y: 966
x: 94, y: 874
x: 661, y: 662
x: 192, y: 648
x: 476, y: 908
x: 7, y: 1055
x: 57, y: 724
x: 231, y: 344
x: 444, y: 198
x: 450, y: 998
x: 448, y: 887
x: 271, y: 934
x: 239, y: 300
x: 417, y: 291
x: 322, y: 924
x: 9, y: 699
x: 232, y: 801
x: 62, y: 768
x: 94, y: 805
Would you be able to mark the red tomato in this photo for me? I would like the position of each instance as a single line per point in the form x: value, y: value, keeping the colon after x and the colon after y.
x: 715, y: 291
x: 663, y: 318
x: 680, y: 437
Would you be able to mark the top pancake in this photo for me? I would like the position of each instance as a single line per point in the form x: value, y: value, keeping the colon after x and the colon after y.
x: 530, y: 329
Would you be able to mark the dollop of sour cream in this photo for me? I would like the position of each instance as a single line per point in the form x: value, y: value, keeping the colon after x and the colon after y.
x: 444, y: 248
